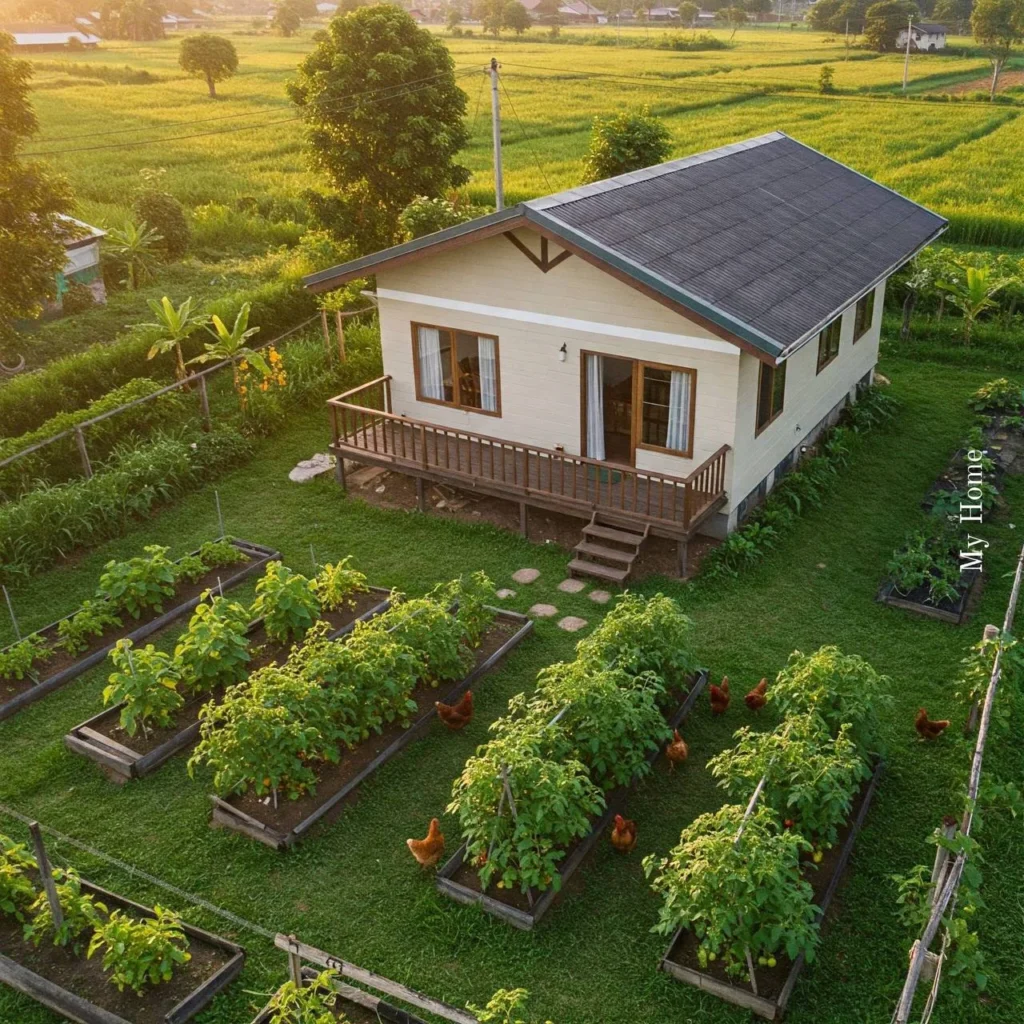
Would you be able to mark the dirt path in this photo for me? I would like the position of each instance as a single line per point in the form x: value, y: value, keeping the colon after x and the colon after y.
x: 1006, y: 80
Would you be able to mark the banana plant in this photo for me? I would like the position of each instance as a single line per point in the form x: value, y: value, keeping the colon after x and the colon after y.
x: 229, y: 345
x: 176, y: 325
x: 134, y: 245
x: 972, y: 295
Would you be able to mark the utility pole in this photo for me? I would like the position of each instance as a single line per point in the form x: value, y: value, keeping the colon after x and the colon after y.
x: 847, y: 57
x: 499, y: 186
x: 906, y: 58
x: 778, y: 18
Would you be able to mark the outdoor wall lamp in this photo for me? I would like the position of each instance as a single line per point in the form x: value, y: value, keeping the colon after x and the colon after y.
x: 562, y: 352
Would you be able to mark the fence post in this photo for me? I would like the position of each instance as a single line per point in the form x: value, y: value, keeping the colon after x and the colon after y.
x: 204, y: 403
x: 341, y: 334
x: 46, y: 873
x: 83, y: 452
x: 295, y: 964
x: 327, y: 333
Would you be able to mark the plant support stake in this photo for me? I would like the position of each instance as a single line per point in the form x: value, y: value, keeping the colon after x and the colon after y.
x: 220, y: 515
x: 46, y: 874
x: 10, y: 609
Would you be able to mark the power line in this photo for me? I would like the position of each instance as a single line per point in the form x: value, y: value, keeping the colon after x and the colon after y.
x: 526, y: 138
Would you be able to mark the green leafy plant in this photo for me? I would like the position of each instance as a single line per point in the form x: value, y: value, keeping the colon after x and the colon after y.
x: 473, y: 596
x: 190, y: 568
x: 17, y: 892
x: 217, y: 554
x: 81, y: 911
x: 999, y: 395
x: 437, y: 637
x: 140, y: 951
x: 911, y: 566
x: 214, y: 650
x: 972, y: 290
x: 140, y: 583
x: 174, y: 326
x: 92, y: 619
x: 134, y: 248
x: 337, y: 584
x: 146, y: 681
x: 313, y: 1003
x: 502, y: 1008
x: 18, y: 660
x: 738, y: 898
x: 286, y: 602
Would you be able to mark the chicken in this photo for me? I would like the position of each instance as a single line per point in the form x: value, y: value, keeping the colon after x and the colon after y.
x: 927, y: 729
x: 428, y: 851
x: 624, y: 834
x: 458, y: 715
x: 677, y: 751
x: 720, y: 696
x: 755, y: 700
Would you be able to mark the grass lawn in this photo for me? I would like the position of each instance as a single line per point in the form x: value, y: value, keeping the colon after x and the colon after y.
x: 353, y: 888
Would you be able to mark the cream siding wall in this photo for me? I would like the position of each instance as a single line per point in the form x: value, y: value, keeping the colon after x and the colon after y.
x: 808, y: 400
x: 540, y: 394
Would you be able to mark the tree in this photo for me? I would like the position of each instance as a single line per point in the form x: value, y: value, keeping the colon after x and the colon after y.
x: 826, y: 78
x: 425, y: 216
x: 998, y: 25
x: 138, y: 20
x: 515, y: 17
x: 380, y: 148
x: 208, y: 56
x: 174, y: 325
x: 756, y: 7
x: 884, y: 21
x: 625, y: 142
x: 734, y: 16
x: 491, y: 14
x: 688, y: 12
x: 31, y: 230
x: 453, y: 17
x: 821, y: 15
x: 287, y: 20
x: 134, y: 248
x: 954, y: 12
x: 165, y: 215
x: 972, y: 294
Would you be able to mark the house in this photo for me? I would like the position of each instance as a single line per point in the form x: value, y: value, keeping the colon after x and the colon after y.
x: 926, y: 37
x: 326, y: 10
x: 663, y: 14
x: 82, y: 262
x: 653, y: 351
x: 31, y: 37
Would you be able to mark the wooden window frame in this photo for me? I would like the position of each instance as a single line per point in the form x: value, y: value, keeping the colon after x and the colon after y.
x: 775, y: 413
x: 415, y: 325
x: 837, y: 323
x: 868, y: 297
x: 636, y: 423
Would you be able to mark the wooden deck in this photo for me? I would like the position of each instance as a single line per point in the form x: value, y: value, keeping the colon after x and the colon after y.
x: 365, y: 430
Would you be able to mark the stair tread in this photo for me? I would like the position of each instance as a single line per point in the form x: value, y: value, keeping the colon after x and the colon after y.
x: 612, y: 554
x: 605, y: 572
x: 609, y: 533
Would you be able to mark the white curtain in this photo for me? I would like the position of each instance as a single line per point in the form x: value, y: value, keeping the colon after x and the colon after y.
x: 595, y: 407
x: 488, y: 374
x: 679, y: 411
x: 431, y: 373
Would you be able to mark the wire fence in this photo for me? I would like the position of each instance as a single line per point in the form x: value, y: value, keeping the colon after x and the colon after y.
x: 948, y: 872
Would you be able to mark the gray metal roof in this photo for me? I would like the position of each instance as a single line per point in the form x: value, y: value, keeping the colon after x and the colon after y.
x: 767, y: 239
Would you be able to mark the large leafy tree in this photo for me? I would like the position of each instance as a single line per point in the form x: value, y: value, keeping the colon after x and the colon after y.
x: 954, y: 13
x: 31, y: 231
x: 999, y: 26
x: 134, y: 19
x: 883, y: 22
x: 208, y: 56
x: 384, y: 121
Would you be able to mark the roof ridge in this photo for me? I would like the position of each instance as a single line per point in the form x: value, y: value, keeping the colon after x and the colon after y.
x: 648, y: 173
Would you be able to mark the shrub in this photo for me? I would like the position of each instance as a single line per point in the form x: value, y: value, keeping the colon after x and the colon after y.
x: 216, y: 554
x: 77, y: 299
x: 312, y: 1003
x: 286, y: 602
x: 998, y: 395
x: 337, y: 584
x: 625, y: 142
x: 16, y: 889
x: 147, y: 683
x: 18, y: 660
x: 436, y: 638
x: 470, y: 596
x: 140, y: 951
x: 162, y: 212
x: 139, y: 584
x: 424, y: 216
x: 214, y: 650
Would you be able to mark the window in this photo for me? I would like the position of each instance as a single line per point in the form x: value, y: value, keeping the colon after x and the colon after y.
x: 771, y: 394
x: 456, y: 368
x: 828, y: 343
x: 863, y: 316
x: 667, y: 409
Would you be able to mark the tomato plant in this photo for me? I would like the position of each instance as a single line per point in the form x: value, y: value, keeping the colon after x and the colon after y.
x: 92, y: 619
x: 19, y: 659
x: 140, y: 951
x: 554, y: 802
x: 841, y: 688
x: 82, y: 913
x: 16, y: 889
x: 139, y: 583
x: 472, y: 597
x: 146, y: 680
x: 811, y: 776
x: 737, y: 897
x: 437, y: 637
x: 286, y: 602
x: 214, y: 650
x: 337, y: 584
x: 313, y: 1003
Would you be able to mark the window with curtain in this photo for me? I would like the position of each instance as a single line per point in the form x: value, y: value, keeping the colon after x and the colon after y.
x: 457, y: 368
x: 666, y: 408
x: 771, y: 395
x: 863, y: 316
x: 828, y: 343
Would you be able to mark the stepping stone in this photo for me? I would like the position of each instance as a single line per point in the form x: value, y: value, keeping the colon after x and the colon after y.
x: 571, y: 623
x: 504, y: 593
x: 571, y: 586
x: 309, y: 469
x: 543, y: 611
x: 600, y: 596
x: 525, y: 575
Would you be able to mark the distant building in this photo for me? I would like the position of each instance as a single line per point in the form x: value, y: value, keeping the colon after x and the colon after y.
x: 326, y: 9
x: 82, y: 263
x: 926, y: 37
x: 30, y: 37
x: 176, y: 22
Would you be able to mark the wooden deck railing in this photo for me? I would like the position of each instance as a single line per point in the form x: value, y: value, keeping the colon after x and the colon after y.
x: 363, y: 422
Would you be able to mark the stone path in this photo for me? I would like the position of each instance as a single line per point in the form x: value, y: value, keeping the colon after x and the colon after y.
x: 599, y: 596
x: 572, y: 623
x: 571, y: 586
x: 543, y: 611
x: 524, y: 576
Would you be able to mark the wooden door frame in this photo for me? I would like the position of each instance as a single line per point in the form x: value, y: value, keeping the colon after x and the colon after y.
x: 583, y: 406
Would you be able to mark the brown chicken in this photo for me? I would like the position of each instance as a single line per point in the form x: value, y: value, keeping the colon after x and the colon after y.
x: 456, y: 716
x: 624, y: 834
x: 927, y: 729
x: 677, y: 751
x: 756, y: 699
x: 720, y: 696
x: 428, y: 851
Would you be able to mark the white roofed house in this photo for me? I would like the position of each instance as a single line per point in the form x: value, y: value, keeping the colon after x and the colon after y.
x: 33, y: 37
x: 926, y: 37
x: 82, y: 262
x: 649, y: 353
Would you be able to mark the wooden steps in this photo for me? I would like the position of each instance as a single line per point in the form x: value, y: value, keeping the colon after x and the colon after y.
x: 607, y: 550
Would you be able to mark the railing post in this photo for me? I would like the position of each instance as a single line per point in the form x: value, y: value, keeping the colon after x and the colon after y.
x: 387, y: 394
x: 83, y: 452
x: 341, y: 334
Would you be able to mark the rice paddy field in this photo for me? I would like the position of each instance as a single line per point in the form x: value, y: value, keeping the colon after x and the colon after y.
x: 101, y: 125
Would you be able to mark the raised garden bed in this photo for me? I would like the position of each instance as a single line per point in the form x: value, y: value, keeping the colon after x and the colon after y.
x: 287, y: 824
x: 774, y: 984
x: 78, y: 989
x: 945, y: 611
x: 124, y: 757
x: 62, y: 667
x: 460, y: 881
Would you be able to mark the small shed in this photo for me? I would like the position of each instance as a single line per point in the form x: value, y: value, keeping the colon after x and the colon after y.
x: 82, y: 262
x: 926, y: 37
x: 35, y: 38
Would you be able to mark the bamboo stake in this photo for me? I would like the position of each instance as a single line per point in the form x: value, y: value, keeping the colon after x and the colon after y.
x: 46, y: 873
